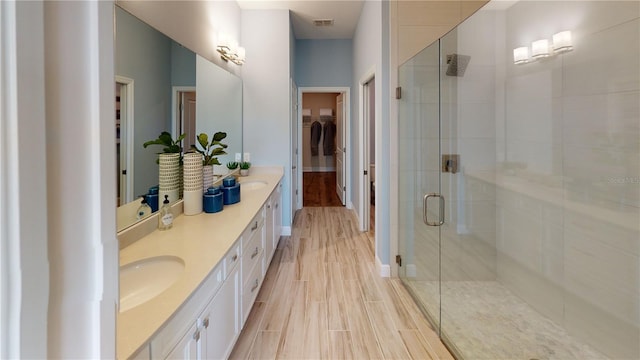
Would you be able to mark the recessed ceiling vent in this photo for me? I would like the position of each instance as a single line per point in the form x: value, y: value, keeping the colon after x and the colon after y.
x: 323, y: 22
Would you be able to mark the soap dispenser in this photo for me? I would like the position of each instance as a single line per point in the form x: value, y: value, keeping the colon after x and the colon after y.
x: 165, y: 217
x: 144, y: 210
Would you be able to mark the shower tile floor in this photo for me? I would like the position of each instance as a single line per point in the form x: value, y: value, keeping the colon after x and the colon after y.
x: 485, y: 320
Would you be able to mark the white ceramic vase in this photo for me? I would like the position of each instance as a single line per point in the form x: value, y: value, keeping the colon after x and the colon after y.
x: 169, y: 176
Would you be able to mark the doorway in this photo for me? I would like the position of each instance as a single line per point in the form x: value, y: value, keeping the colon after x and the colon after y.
x: 184, y: 114
x: 124, y: 139
x: 323, y: 168
x: 369, y: 155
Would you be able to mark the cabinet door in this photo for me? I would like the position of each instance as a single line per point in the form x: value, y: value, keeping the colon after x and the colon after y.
x: 268, y: 247
x: 220, y: 321
x: 188, y: 346
x: 277, y: 215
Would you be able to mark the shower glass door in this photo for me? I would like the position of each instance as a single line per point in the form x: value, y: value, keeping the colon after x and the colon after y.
x: 419, y: 165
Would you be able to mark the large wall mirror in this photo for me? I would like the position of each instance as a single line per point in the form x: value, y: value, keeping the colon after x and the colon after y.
x: 163, y: 86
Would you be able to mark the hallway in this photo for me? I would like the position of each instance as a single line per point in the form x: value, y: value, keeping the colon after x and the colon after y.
x: 321, y: 299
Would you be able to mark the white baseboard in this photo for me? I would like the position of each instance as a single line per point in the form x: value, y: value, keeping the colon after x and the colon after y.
x: 383, y: 270
x: 411, y: 270
x: 349, y: 205
x: 286, y: 231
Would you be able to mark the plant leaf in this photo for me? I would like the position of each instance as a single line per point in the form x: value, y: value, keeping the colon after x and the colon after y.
x: 219, y: 136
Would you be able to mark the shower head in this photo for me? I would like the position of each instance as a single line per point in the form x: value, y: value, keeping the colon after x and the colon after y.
x: 457, y: 64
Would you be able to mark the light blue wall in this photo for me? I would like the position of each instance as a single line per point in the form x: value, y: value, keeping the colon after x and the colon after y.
x: 323, y: 62
x: 143, y: 54
x: 183, y: 66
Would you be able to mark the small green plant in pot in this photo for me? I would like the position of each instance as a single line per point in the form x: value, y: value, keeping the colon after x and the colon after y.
x: 232, y: 165
x: 244, y: 168
x: 211, y: 150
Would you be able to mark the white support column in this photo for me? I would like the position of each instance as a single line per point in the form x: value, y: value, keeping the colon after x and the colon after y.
x: 24, y: 274
x: 81, y: 188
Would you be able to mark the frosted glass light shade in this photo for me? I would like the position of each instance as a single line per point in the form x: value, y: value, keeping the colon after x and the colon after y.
x: 521, y: 55
x: 540, y: 49
x: 562, y: 41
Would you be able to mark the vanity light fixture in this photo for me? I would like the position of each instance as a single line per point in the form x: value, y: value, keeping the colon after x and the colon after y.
x: 562, y: 42
x: 540, y: 49
x: 521, y: 55
x: 230, y: 51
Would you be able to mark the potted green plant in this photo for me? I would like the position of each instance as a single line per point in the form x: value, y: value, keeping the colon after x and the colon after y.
x: 244, y: 168
x: 170, y: 146
x: 210, y: 150
x: 232, y: 165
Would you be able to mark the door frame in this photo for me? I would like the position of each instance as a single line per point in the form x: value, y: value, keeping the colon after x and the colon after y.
x: 364, y: 206
x: 175, y: 95
x: 127, y: 118
x: 347, y: 135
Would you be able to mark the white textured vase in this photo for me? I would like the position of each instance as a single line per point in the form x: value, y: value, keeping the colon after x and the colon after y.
x: 192, y: 182
x: 169, y: 176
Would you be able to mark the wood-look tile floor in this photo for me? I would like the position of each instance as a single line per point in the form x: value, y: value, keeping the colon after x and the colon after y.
x: 319, y: 189
x: 322, y: 299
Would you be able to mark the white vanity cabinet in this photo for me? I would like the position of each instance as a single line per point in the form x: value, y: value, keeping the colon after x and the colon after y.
x: 208, y: 323
x: 211, y: 317
x: 273, y: 225
x: 220, y: 321
x: 253, y: 245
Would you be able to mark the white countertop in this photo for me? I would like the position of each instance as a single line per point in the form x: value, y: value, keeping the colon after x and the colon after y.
x: 201, y: 241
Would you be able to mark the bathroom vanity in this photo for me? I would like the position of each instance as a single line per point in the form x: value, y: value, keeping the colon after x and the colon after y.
x: 215, y: 264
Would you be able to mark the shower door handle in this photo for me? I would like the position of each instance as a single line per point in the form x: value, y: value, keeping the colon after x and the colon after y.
x: 425, y: 215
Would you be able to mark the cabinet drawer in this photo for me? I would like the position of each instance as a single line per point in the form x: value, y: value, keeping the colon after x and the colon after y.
x: 251, y: 289
x: 253, y: 228
x: 252, y: 253
x: 169, y: 335
x: 232, y: 259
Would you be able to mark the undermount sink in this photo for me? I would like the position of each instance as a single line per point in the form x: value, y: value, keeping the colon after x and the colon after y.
x: 253, y: 184
x: 145, y: 279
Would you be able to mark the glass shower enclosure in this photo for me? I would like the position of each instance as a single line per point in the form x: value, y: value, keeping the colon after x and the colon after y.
x: 519, y: 195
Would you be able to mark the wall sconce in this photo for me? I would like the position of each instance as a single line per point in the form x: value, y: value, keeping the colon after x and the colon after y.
x: 540, y: 48
x: 230, y: 51
x: 562, y: 42
x: 521, y: 55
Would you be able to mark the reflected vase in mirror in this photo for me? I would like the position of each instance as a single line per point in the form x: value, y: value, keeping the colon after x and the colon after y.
x: 169, y: 176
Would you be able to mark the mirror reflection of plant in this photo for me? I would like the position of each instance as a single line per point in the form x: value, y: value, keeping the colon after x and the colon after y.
x: 210, y: 150
x: 170, y: 146
x: 232, y: 165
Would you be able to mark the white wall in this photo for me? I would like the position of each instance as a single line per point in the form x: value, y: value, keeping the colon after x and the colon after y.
x: 266, y: 90
x: 367, y: 57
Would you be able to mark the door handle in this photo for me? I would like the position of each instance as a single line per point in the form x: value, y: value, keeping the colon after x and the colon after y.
x: 425, y: 214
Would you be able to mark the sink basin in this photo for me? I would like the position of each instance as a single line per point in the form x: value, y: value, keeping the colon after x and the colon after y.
x: 253, y: 185
x: 145, y: 279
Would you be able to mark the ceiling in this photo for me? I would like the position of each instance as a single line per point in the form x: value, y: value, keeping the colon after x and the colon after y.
x: 345, y: 14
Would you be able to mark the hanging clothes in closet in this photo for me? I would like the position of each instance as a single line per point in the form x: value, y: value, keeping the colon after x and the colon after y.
x: 316, y: 132
x: 329, y: 141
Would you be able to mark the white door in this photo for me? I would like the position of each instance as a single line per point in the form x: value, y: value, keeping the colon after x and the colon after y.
x: 295, y: 196
x: 340, y: 149
x: 188, y: 118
